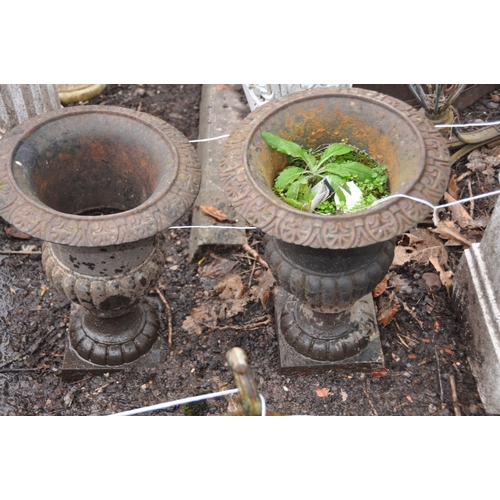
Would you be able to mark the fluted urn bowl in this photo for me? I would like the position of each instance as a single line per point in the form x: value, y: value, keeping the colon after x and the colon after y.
x: 329, y: 262
x: 98, y: 184
x: 389, y: 130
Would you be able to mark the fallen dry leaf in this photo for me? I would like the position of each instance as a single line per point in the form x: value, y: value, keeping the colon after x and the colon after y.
x: 217, y: 268
x: 15, y: 233
x: 214, y: 212
x: 409, y: 399
x: 380, y: 373
x: 458, y: 212
x: 264, y: 288
x: 387, y: 309
x: 230, y: 287
x: 231, y: 308
x: 397, y: 283
x: 453, y: 186
x: 191, y: 326
x: 422, y: 244
x: 444, y: 275
x: 448, y: 231
x: 449, y: 351
x: 380, y: 288
x: 211, y: 311
x: 343, y: 395
x: 482, y: 160
x: 322, y: 392
x: 432, y: 280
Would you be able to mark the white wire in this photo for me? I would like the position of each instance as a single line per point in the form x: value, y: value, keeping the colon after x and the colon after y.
x: 210, y: 139
x: 382, y: 200
x: 425, y: 202
x: 263, y: 403
x: 458, y: 125
x: 435, y: 208
x: 163, y: 406
x: 216, y: 227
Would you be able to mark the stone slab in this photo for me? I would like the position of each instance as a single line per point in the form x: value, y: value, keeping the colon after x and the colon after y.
x: 221, y: 110
x: 475, y: 299
x: 19, y: 102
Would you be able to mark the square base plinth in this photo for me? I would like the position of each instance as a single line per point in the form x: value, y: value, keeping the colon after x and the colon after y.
x: 293, y: 363
x: 75, y: 367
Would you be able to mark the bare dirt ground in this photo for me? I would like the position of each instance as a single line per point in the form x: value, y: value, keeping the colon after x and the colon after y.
x: 216, y: 305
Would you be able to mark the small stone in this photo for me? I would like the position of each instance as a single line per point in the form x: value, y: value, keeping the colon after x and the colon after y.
x: 493, y: 105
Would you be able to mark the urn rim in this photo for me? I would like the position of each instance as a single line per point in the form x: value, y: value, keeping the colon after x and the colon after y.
x: 254, y: 200
x: 164, y: 206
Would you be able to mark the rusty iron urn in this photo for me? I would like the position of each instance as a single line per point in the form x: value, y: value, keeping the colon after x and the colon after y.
x: 99, y: 184
x: 328, y: 265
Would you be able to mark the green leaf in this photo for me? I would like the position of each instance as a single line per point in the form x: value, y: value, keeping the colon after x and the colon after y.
x: 338, y: 169
x: 287, y: 176
x: 336, y: 182
x: 295, y: 204
x: 305, y: 194
x: 362, y: 172
x: 340, y: 193
x: 293, y: 190
x: 288, y: 148
x: 335, y: 149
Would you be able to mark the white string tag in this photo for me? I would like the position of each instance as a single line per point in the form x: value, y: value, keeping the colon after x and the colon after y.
x: 321, y: 191
x: 352, y: 198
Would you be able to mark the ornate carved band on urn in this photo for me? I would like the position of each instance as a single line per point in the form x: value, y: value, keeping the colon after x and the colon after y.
x: 327, y: 266
x: 99, y: 184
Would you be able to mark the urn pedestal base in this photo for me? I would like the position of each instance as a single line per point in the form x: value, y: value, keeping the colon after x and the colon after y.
x: 146, y: 325
x: 362, y: 315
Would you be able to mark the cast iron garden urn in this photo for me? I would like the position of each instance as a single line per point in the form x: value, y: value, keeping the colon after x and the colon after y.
x: 328, y: 265
x: 99, y: 184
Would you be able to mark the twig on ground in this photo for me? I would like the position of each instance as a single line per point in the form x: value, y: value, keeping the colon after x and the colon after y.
x: 251, y: 274
x: 439, y: 375
x: 412, y: 314
x: 169, y: 315
x: 256, y: 255
x: 29, y: 352
x: 99, y: 389
x: 248, y: 326
x: 409, y: 338
x: 471, y: 206
x: 16, y: 370
x: 20, y: 252
x: 402, y: 341
x: 400, y: 405
x: 365, y: 390
x: 454, y: 396
x: 463, y: 176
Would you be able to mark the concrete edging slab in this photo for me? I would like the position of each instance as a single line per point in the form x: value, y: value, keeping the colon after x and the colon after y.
x: 221, y: 110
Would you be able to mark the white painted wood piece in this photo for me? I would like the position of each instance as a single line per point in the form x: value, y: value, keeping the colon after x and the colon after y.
x: 19, y: 102
x: 476, y: 298
x: 258, y: 94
